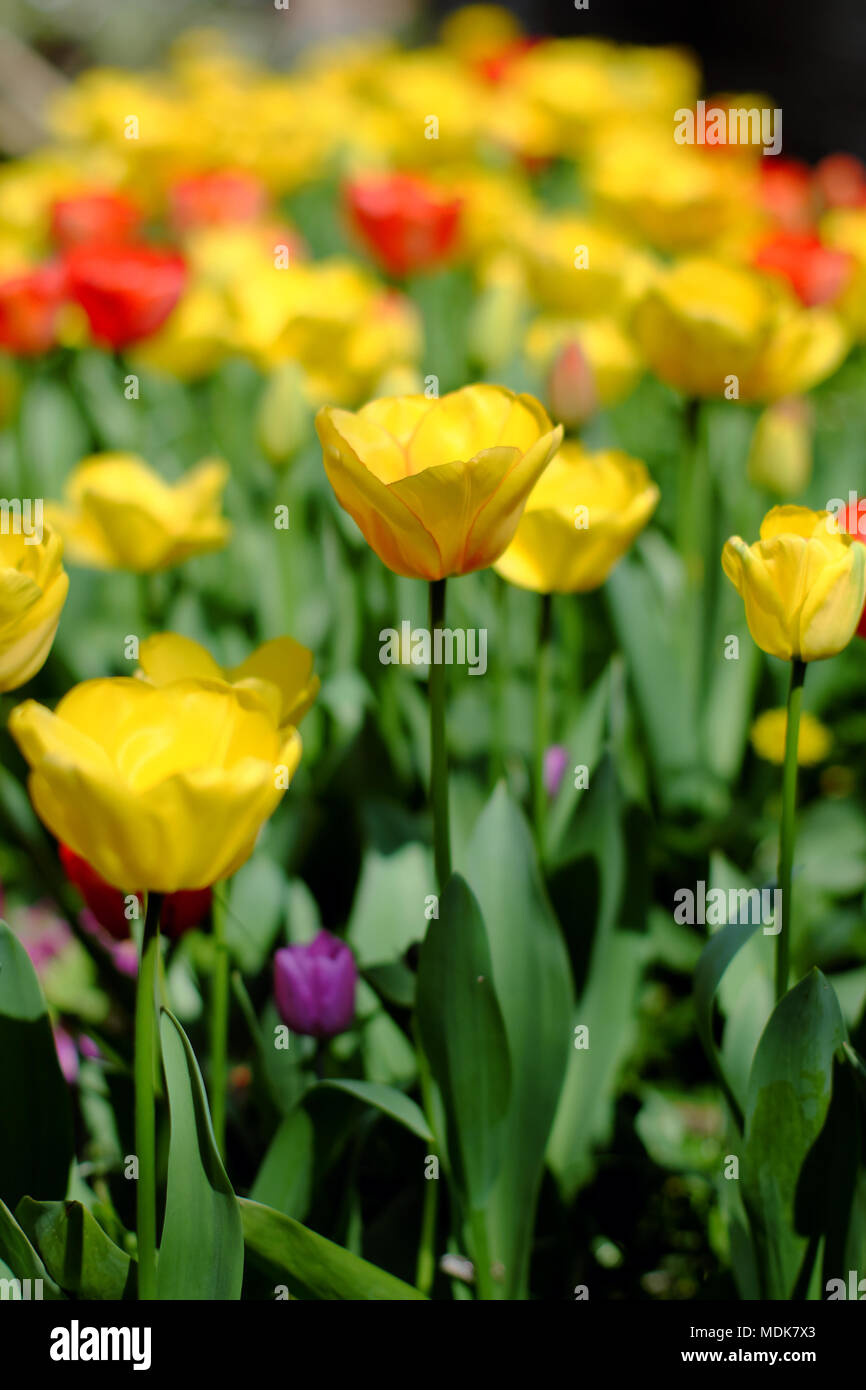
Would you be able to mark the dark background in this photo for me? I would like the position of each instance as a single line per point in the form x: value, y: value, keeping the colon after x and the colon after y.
x: 808, y: 55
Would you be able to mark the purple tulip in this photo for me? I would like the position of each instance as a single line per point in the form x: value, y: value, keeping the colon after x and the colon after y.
x: 556, y: 760
x: 314, y: 986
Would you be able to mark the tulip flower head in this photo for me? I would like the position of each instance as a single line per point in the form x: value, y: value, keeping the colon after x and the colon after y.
x: 817, y: 273
x: 33, y: 589
x: 438, y: 486
x: 281, y: 670
x: 314, y: 986
x: 121, y: 515
x: 158, y: 789
x: 30, y: 304
x: 703, y: 325
x: 581, y: 517
x: 768, y: 738
x: 217, y: 197
x: 127, y: 291
x: 803, y: 583
x: 94, y: 217
x: 405, y: 223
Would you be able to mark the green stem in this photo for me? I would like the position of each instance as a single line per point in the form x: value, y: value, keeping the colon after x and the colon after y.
x: 219, y: 1023
x: 786, y: 828
x: 481, y: 1255
x: 145, y: 1120
x: 438, y: 750
x: 542, y: 713
x: 425, y: 1270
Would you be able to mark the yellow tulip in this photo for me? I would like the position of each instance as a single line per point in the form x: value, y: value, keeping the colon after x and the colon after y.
x: 715, y: 330
x: 803, y: 583
x: 280, y: 670
x: 768, y: 737
x: 121, y: 515
x: 158, y: 789
x: 580, y: 519
x: 677, y: 197
x: 579, y: 267
x: 845, y: 230
x: 33, y: 588
x: 438, y: 486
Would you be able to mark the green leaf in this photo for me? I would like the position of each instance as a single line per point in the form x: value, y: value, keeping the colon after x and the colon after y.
x: 201, y: 1255
x: 532, y: 977
x: 390, y: 1101
x: 326, y: 1270
x: 285, y: 1178
x: 34, y: 1098
x: 20, y: 1257
x: 388, y: 912
x: 76, y: 1250
x: 256, y: 904
x: 464, y: 1037
x: 715, y: 959
x: 607, y: 1006
x: 788, y: 1099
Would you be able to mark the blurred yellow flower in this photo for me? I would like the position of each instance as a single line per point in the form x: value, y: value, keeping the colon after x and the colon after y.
x: 333, y: 318
x: 580, y: 267
x: 803, y: 583
x: 121, y: 515
x: 159, y: 789
x: 33, y: 588
x: 845, y: 230
x: 714, y: 330
x: 585, y: 85
x: 677, y: 197
x: 581, y: 517
x: 437, y: 486
x: 768, y: 732
x: 281, y: 671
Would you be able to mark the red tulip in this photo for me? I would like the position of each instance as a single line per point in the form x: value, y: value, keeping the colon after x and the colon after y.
x: 571, y: 388
x: 217, y: 197
x: 29, y: 305
x: 126, y: 291
x: 180, y: 911
x: 103, y: 217
x: 405, y: 223
x: 816, y: 272
x: 788, y: 192
x: 841, y: 181
x: 853, y: 520
x: 498, y: 65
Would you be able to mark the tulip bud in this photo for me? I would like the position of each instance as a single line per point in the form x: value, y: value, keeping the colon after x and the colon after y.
x: 556, y: 760
x: 314, y: 986
x: 571, y: 389
x: 780, y: 457
x: 284, y: 415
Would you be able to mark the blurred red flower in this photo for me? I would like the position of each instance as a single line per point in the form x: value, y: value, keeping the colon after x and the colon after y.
x: 405, y: 223
x: 841, y: 181
x: 788, y: 192
x: 180, y: 911
x: 126, y: 291
x: 94, y: 216
x: 29, y: 305
x: 817, y: 273
x: 216, y: 197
